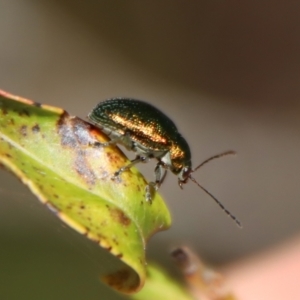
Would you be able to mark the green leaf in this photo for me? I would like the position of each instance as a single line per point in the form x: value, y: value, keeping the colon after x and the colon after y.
x: 160, y: 286
x: 50, y: 152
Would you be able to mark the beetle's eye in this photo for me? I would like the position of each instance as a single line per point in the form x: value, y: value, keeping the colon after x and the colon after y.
x: 186, y: 172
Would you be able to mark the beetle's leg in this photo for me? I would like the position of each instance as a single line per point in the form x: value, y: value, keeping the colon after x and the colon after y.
x: 114, y: 139
x: 132, y: 163
x: 160, y: 175
x: 127, y: 141
x: 106, y: 144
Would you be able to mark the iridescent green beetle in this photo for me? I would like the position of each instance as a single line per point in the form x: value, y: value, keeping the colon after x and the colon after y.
x: 144, y: 129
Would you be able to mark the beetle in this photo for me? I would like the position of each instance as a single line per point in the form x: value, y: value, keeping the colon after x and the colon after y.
x: 144, y: 129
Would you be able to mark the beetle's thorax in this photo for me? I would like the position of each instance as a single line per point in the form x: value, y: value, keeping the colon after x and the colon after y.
x: 180, y: 155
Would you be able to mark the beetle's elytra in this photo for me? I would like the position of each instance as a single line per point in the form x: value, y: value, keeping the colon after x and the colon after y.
x: 144, y: 129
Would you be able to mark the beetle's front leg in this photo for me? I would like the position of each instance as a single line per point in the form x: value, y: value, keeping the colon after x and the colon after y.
x: 160, y: 175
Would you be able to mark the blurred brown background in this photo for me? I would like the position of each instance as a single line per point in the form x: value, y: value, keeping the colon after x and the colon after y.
x: 227, y: 73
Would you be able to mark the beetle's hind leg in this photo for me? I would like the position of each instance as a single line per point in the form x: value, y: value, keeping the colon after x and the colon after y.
x: 98, y: 144
x: 123, y: 139
x: 113, y: 141
x: 160, y: 174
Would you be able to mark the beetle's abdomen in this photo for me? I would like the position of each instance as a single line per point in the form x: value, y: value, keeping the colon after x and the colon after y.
x: 145, y: 125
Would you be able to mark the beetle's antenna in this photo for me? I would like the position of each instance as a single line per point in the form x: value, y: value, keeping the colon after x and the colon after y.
x: 231, y: 152
x: 235, y: 219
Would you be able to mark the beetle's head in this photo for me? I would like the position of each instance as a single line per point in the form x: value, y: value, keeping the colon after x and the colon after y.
x: 186, y: 173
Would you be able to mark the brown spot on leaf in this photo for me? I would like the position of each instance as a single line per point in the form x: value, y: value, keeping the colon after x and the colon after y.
x: 24, y: 112
x: 36, y: 104
x: 73, y: 133
x: 108, y: 248
x: 66, y: 131
x: 83, y: 169
x: 101, y: 237
x: 94, y: 239
x: 23, y: 130
x: 119, y: 216
x: 41, y: 187
x: 110, y: 157
x: 4, y: 111
x: 36, y: 128
x: 120, y: 279
x: 115, y: 241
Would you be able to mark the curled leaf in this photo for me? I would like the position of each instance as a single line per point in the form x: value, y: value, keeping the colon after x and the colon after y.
x: 51, y: 152
x: 161, y: 286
